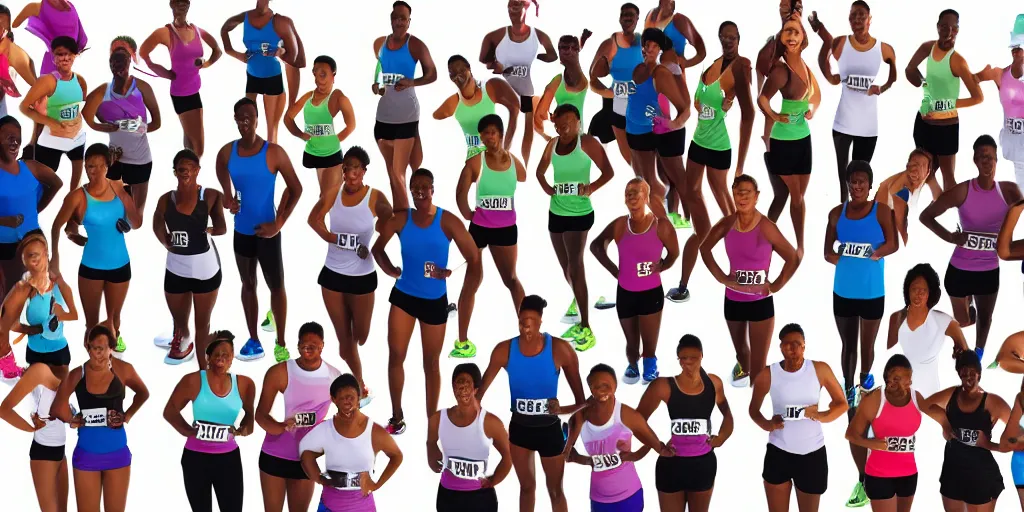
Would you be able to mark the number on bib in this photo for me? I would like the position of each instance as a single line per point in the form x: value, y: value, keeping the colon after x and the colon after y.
x: 473, y: 141
x: 347, y: 241
x: 305, y: 419
x: 943, y: 105
x: 900, y: 444
x: 606, y: 462
x: 793, y: 412
x: 567, y: 189
x: 623, y: 90
x: 690, y: 427
x: 344, y: 481
x: 519, y: 71
x: 967, y: 436
x: 68, y: 113
x: 129, y: 125
x: 643, y: 268
x: 320, y: 130
x: 859, y: 82
x: 531, y: 406
x: 179, y: 238
x: 1015, y: 125
x: 497, y: 203
x: 211, y: 432
x: 428, y: 269
x: 466, y: 469
x: 706, y: 113
x: 980, y: 241
x: 797, y: 118
x: 855, y: 250
x: 751, y: 277
x: 390, y: 79
x: 94, y: 417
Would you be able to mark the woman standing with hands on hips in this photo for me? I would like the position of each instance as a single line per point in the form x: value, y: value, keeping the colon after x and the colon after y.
x: 492, y: 92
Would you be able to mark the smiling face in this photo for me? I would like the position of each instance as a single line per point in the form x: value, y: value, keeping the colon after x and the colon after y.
x: 310, y: 347
x: 567, y: 126
x: 970, y: 377
x: 63, y: 59
x: 628, y: 18
x: 859, y: 185
x: 34, y: 256
x: 10, y: 137
x: 637, y: 196
x: 459, y: 73
x: 985, y: 158
x: 729, y: 36
x: 602, y: 386
x: 792, y: 35
x: 744, y: 194
x: 422, y: 191
x: 919, y: 292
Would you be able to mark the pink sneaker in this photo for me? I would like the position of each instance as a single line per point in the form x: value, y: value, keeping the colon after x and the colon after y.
x: 9, y: 367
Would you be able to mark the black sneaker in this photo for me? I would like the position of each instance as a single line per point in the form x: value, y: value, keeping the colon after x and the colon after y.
x: 677, y: 295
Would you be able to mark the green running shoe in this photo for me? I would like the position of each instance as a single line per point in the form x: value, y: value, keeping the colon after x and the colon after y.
x: 121, y: 347
x: 602, y: 303
x: 585, y: 340
x: 993, y: 366
x: 572, y: 332
x: 463, y: 350
x: 858, y: 498
x: 572, y: 315
x: 281, y: 353
x: 678, y: 221
x: 268, y: 324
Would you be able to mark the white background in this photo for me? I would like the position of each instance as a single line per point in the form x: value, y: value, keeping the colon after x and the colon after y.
x: 346, y: 31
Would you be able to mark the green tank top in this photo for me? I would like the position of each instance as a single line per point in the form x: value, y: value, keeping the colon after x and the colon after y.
x: 563, y: 96
x: 571, y: 171
x: 941, y: 88
x: 711, y: 132
x: 320, y: 127
x: 469, y: 117
x: 495, y: 185
x: 66, y: 102
x: 797, y: 127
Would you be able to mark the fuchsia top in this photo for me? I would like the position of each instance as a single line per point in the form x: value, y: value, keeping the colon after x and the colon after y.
x: 52, y: 23
x: 638, y: 252
x: 750, y: 256
x: 981, y: 216
x: 898, y: 426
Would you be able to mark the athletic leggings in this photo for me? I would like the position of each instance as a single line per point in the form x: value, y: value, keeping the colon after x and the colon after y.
x: 863, y: 149
x: 221, y: 472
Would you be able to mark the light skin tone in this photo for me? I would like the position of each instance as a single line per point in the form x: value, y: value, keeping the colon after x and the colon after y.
x: 661, y: 16
x: 599, y: 68
x: 219, y: 380
x: 323, y: 77
x: 914, y: 177
x: 497, y: 90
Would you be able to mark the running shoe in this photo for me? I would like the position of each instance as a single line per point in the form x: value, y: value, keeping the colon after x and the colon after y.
x: 852, y: 396
x: 631, y: 375
x: 994, y: 365
x: 9, y: 368
x: 676, y: 219
x: 176, y: 355
x: 164, y: 339
x: 121, y: 347
x: 452, y: 310
x: 463, y: 350
x: 650, y: 369
x: 740, y: 378
x: 268, y: 324
x: 572, y: 315
x: 603, y: 304
x: 858, y: 498
x: 980, y: 351
x: 251, y: 351
x: 868, y: 383
x: 572, y: 332
x: 281, y: 353
x: 395, y: 427
x: 677, y: 295
x: 366, y: 398
x: 585, y: 340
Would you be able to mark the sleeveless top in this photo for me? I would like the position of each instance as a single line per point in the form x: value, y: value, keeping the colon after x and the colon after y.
x: 638, y: 252
x: 1011, y: 96
x: 131, y: 138
x: 517, y: 58
x: 465, y: 450
x: 495, y: 195
x: 857, y: 113
x: 898, y: 427
x: 38, y: 310
x: 857, y: 275
x: 213, y: 415
x: 791, y: 392
x: 532, y: 380
x: 19, y: 194
x: 691, y: 417
x: 621, y: 69
x: 105, y: 248
x: 981, y: 217
x: 423, y: 250
x: 186, y: 80
x: 469, y: 117
x: 254, y: 184
x: 571, y: 171
x: 397, y: 107
x: 307, y: 399
x: 750, y: 258
x: 612, y: 480
x: 354, y: 226
x: 258, y: 43
x: 95, y: 436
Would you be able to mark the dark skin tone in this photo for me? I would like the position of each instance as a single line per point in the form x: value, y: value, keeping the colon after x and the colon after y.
x: 337, y: 102
x: 497, y: 90
x: 995, y: 74
x: 661, y: 16
x: 572, y: 75
x: 599, y: 68
x: 1011, y: 440
x: 219, y: 380
x: 913, y: 178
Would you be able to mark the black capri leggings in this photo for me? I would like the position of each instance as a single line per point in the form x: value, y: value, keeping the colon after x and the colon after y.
x: 221, y: 472
x: 863, y: 149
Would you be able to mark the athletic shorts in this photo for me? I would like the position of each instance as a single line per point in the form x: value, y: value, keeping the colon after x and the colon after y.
x: 634, y: 503
x: 184, y: 104
x: 51, y: 157
x: 115, y: 276
x: 281, y: 468
x: 175, y: 284
x: 428, y: 311
x: 525, y: 104
x: 966, y: 283
x: 59, y: 357
x: 868, y: 309
x: 480, y: 500
x: 618, y: 121
x: 388, y: 131
x: 352, y: 285
x: 563, y: 223
x: 753, y: 311
x: 939, y: 140
x: 879, y: 488
x: 809, y: 473
x: 267, y: 251
x: 269, y: 86
x: 546, y: 440
x: 668, y: 145
x: 321, y: 162
x: 9, y: 251
x: 633, y: 304
x: 978, y: 486
x: 601, y: 124
x: 1017, y: 469
x: 790, y: 157
x: 48, y: 453
x: 130, y: 174
x: 83, y: 460
x: 710, y: 158
x: 686, y: 474
x: 498, y: 237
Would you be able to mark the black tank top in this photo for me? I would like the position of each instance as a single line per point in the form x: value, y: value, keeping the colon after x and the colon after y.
x: 683, y: 406
x: 188, y: 232
x: 967, y: 425
x: 95, y: 408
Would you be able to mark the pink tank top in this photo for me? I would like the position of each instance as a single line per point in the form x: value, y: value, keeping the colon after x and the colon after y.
x: 981, y: 216
x: 612, y: 480
x: 638, y: 252
x: 183, y: 62
x: 750, y: 256
x: 898, y: 426
x: 307, y: 398
x: 1011, y: 95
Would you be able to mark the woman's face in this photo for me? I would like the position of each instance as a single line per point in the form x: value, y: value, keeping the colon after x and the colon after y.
x: 690, y: 359
x: 35, y: 257
x: 353, y: 171
x: 219, y: 361
x: 792, y: 35
x: 602, y: 386
x: 491, y: 137
x: 96, y: 168
x: 63, y: 59
x: 529, y: 323
x: 917, y: 169
x: 347, y: 401
x: 651, y: 50
x: 919, y: 292
x: 422, y: 189
x: 179, y: 8
x: 568, y: 52
x: 1017, y: 54
x: 310, y: 347
x: 637, y: 196
x: 10, y: 137
x: 729, y: 36
x: 859, y: 186
x: 792, y: 346
x: 460, y: 74
x: 99, y: 349
x: 969, y: 377
x: 567, y: 125
x: 744, y: 194
x: 898, y: 380
x: 120, y: 63
x: 186, y: 172
x: 323, y: 77
x: 464, y: 389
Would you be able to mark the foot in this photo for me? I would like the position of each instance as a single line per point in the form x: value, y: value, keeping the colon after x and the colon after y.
x: 858, y: 498
x: 572, y: 332
x: 852, y: 396
x: 677, y: 220
x: 584, y: 340
x: 603, y: 304
x: 677, y: 295
x: 366, y: 398
x: 182, y: 350
x: 281, y: 353
x: 9, y: 368
x: 631, y: 375
x: 251, y: 351
x: 650, y: 369
x: 463, y: 350
x: 268, y: 324
x: 395, y: 427
x: 572, y: 315
x: 121, y: 347
x: 164, y: 339
x: 740, y: 378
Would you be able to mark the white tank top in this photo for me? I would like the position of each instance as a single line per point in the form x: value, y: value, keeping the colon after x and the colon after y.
x: 517, y: 59
x: 857, y: 114
x: 469, y: 444
x: 52, y: 434
x: 922, y: 347
x: 341, y: 453
x: 790, y: 393
x: 354, y: 225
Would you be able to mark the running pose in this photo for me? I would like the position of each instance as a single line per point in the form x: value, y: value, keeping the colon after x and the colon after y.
x: 474, y: 100
x: 211, y: 459
x: 567, y: 88
x: 466, y: 433
x: 184, y: 42
x: 421, y: 290
x: 902, y: 190
x: 533, y: 361
x: 750, y: 239
x: 618, y: 56
x: 48, y: 20
x: 250, y: 166
x: 795, y: 456
x: 1010, y: 82
x: 641, y: 240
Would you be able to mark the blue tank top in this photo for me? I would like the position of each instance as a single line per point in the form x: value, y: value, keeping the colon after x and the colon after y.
x: 257, y: 41
x: 37, y: 313
x: 642, y: 108
x: 531, y: 377
x: 19, y: 195
x: 421, y: 246
x: 626, y: 60
x: 105, y: 248
x: 396, y: 64
x: 251, y: 177
x: 677, y: 37
x: 95, y: 436
x: 857, y: 275
x: 211, y: 408
x: 904, y: 194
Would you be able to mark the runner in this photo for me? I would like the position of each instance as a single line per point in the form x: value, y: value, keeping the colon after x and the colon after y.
x: 211, y: 458
x: 510, y: 52
x: 973, y: 272
x: 269, y: 39
x: 617, y: 56
x: 937, y: 125
x: 795, y: 456
x: 640, y: 240
x: 304, y: 383
x: 184, y: 222
x: 397, y: 129
x: 184, y: 42
x: 750, y: 239
x: 1009, y: 359
x: 711, y: 148
x: 101, y: 460
x: 466, y: 433
x: 921, y: 330
x: 119, y: 108
x: 569, y: 87
x: 533, y: 386
x: 348, y: 279
x: 902, y: 190
x: 492, y: 224
x: 323, y: 146
x: 1011, y: 137
x: 12, y: 57
x: 680, y: 30
x: 349, y: 443
x: 48, y: 20
x: 686, y: 477
x: 492, y: 92
x: 251, y: 165
x: 424, y: 233
x: 856, y: 119
x: 107, y: 212
x: 570, y: 211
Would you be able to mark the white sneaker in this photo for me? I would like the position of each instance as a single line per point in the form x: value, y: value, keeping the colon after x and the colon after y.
x: 164, y: 339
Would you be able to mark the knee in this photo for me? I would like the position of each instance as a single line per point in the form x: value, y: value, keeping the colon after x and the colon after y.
x: 510, y: 281
x: 396, y: 356
x: 248, y: 285
x: 555, y: 491
x: 527, y: 487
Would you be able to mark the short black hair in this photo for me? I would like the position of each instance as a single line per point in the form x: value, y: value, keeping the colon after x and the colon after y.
x: 5, y: 10
x: 99, y: 149
x: 129, y: 40
x: 744, y: 178
x: 657, y: 36
x: 968, y: 359
x: 630, y: 5
x: 533, y: 303
x: 185, y: 154
x: 311, y: 328
x: 457, y: 58
x: 689, y: 341
x: 985, y: 140
x: 470, y: 369
x: 861, y: 3
x: 862, y: 166
x: 567, y: 108
x: 925, y: 271
x: 602, y: 368
x: 728, y: 23
x: 9, y: 119
x: 790, y: 329
x: 949, y: 11
x: 102, y: 330
x: 325, y: 59
x: 896, y: 361
x: 400, y: 3
x: 358, y: 153
x: 491, y: 120
x: 218, y: 337
x: 65, y: 42
x: 346, y: 380
x: 422, y: 172
x: 246, y: 101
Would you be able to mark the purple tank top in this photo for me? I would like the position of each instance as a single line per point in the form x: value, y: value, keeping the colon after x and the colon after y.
x: 612, y: 480
x: 183, y: 62
x: 638, y: 252
x: 51, y: 23
x: 981, y: 216
x: 750, y: 257
x: 307, y: 397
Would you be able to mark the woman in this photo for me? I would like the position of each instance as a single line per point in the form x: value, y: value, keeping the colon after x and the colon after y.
x: 893, y: 413
x: 921, y: 331
x: 473, y: 101
x: 184, y: 42
x: 570, y: 211
x: 492, y: 224
x: 304, y: 383
x: 14, y: 62
x: 789, y: 154
x: 48, y: 20
x: 466, y: 433
x: 349, y: 442
x: 102, y: 460
x: 617, y: 57
x: 902, y: 190
x: 711, y: 149
x: 1009, y: 359
x: 211, y: 458
x: 973, y: 272
x: 685, y: 477
x: 678, y: 29
x: 107, y: 212
x: 425, y: 233
x: 323, y: 146
x: 184, y: 222
x: 1011, y: 96
x: 750, y: 239
x: 641, y: 239
x: 119, y: 108
x: 795, y: 456
x: 569, y: 87
x: 533, y: 361
x: 269, y: 39
x: 348, y: 279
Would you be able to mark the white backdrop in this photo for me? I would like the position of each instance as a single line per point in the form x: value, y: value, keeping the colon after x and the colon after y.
x: 346, y: 31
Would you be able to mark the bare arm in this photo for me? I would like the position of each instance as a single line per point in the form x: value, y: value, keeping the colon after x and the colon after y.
x: 741, y: 80
x: 783, y: 248
x: 294, y: 53
x: 542, y: 167
x: 421, y: 53
x: 715, y: 236
x: 348, y: 115
x: 293, y: 187
x: 247, y: 388
x: 895, y: 321
x: 665, y: 83
x: 494, y: 429
x: 889, y: 57
x: 725, y: 431
x: 48, y: 179
x: 160, y: 36
x: 599, y: 69
x: 184, y: 392
x: 92, y: 105
x: 829, y: 46
x: 957, y: 335
x: 599, y: 247
x: 323, y: 205
x: 435, y: 458
x: 215, y: 51
x: 685, y: 27
x: 838, y: 406
x: 550, y: 54
x: 292, y: 112
x: 544, y: 105
x: 32, y: 377
x: 761, y: 386
x: 667, y: 235
x: 390, y: 228
x: 912, y: 72
x: 958, y: 65
x: 499, y: 360
x: 159, y: 222
x: 225, y: 36
x: 774, y: 81
x: 224, y: 175
x: 44, y: 87
x: 273, y: 383
x: 27, y: 12
x: 470, y: 171
x: 456, y: 232
x: 447, y: 108
x: 593, y: 148
x: 149, y: 100
x: 856, y: 433
x: 831, y: 234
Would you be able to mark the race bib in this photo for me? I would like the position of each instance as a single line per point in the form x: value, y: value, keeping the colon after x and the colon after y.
x: 797, y: 118
x: 751, y: 277
x: 212, y: 432
x: 519, y: 71
x: 320, y: 130
x: 94, y: 417
x: 567, y: 189
x: 690, y: 427
x: 623, y: 90
x: 344, y: 481
x: 69, y: 112
x: 473, y: 141
x: 980, y: 241
x: 179, y: 238
x: 856, y: 250
x: 706, y: 113
x: 643, y: 268
x: 390, y: 79
x: 606, y: 462
x: 264, y: 48
x: 305, y: 419
x: 347, y: 241
x: 793, y: 412
x: 531, y: 406
x: 497, y: 203
x: 429, y: 268
x: 967, y: 436
x: 859, y: 82
x: 900, y: 444
x: 1015, y: 125
x: 943, y: 105
x: 129, y: 125
x: 466, y: 469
